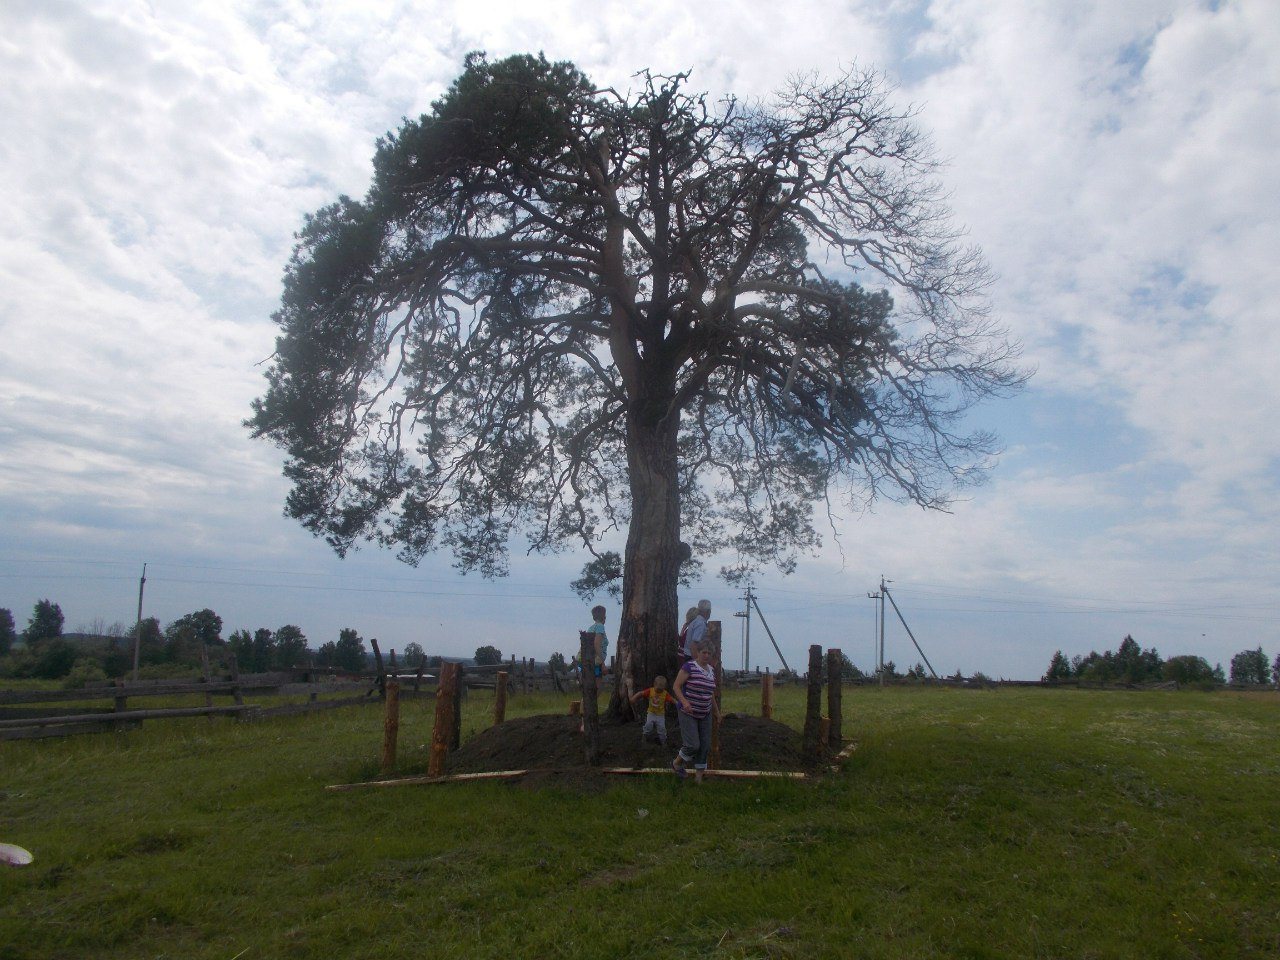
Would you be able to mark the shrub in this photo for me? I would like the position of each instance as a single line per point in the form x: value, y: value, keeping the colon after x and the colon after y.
x: 54, y: 659
x: 84, y: 671
x: 18, y: 665
x: 168, y: 671
x: 1189, y: 670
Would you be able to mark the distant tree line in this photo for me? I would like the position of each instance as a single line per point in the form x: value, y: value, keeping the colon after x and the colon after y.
x: 1131, y: 664
x: 46, y: 652
x: 43, y: 651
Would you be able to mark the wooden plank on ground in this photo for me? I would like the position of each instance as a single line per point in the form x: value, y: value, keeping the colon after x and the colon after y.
x: 728, y: 774
x: 420, y: 781
x: 508, y: 774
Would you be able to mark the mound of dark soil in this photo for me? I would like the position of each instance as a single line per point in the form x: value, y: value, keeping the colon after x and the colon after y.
x: 553, y: 743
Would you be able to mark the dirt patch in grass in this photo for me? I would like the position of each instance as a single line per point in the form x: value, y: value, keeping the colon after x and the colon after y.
x: 552, y: 748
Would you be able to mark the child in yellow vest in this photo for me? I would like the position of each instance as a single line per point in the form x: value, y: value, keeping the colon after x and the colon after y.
x: 656, y: 718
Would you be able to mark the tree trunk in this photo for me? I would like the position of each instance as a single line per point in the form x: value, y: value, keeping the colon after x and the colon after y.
x: 651, y: 567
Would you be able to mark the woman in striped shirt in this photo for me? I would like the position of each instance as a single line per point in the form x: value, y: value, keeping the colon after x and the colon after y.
x: 695, y: 689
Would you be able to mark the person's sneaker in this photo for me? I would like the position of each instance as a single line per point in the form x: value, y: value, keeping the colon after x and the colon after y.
x: 678, y: 767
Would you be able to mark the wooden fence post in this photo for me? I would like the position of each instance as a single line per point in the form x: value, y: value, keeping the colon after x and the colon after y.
x: 766, y: 695
x: 234, y: 666
x: 390, y: 728
x: 382, y: 674
x: 713, y: 635
x: 459, y: 695
x: 812, y: 743
x: 422, y: 665
x: 204, y: 672
x: 122, y: 701
x: 442, y: 731
x: 834, y: 663
x: 500, y: 698
x: 590, y: 706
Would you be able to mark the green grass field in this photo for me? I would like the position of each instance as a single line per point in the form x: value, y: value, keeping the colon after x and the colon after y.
x: 998, y: 823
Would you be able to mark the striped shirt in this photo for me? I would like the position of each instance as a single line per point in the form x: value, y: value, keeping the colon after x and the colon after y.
x: 699, y: 687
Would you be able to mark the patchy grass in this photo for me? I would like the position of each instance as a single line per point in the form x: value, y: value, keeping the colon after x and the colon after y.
x: 1002, y: 823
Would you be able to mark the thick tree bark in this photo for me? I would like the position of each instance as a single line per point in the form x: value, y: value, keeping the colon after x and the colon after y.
x: 651, y: 567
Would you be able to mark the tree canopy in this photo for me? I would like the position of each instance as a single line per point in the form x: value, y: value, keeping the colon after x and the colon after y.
x: 8, y: 630
x: 568, y: 311
x: 204, y: 626
x: 488, y: 655
x: 1250, y: 666
x: 45, y: 623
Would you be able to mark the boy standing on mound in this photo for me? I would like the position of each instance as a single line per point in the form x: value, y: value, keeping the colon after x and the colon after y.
x: 656, y: 718
x: 600, y: 638
x: 597, y: 644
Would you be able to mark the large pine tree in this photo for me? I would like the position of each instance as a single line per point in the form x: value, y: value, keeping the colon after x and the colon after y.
x: 570, y: 311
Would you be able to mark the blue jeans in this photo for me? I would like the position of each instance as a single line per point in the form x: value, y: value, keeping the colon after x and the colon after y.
x: 695, y: 739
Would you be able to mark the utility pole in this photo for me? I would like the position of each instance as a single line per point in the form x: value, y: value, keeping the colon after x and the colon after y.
x: 883, y: 590
x: 877, y: 637
x: 137, y: 629
x: 755, y: 602
x: 741, y: 616
x: 908, y: 629
x: 746, y: 635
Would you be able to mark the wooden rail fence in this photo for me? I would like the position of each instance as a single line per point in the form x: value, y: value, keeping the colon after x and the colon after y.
x: 30, y: 714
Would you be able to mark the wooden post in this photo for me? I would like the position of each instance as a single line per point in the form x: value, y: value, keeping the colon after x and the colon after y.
x: 812, y: 745
x: 442, y: 731
x: 459, y: 695
x: 204, y: 668
x: 417, y: 681
x: 390, y: 728
x: 204, y: 672
x: 834, y: 663
x: 392, y: 662
x: 575, y: 708
x: 234, y: 666
x: 766, y: 696
x: 382, y: 674
x: 122, y: 702
x: 590, y: 706
x: 511, y: 669
x: 500, y: 698
x: 713, y: 635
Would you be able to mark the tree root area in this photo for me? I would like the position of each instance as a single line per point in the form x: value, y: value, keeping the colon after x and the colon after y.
x: 551, y: 747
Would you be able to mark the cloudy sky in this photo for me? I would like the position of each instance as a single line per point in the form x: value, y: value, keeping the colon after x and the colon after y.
x: 1116, y: 163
